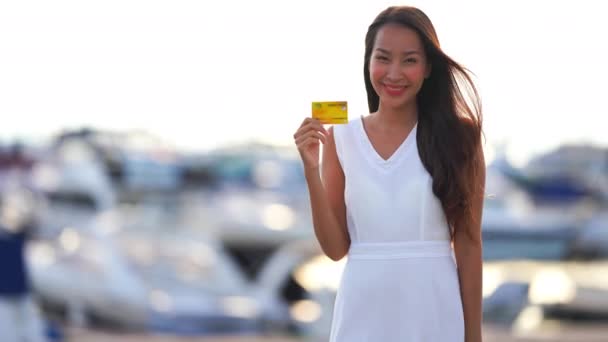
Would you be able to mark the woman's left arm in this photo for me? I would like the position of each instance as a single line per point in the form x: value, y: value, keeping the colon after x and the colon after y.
x: 468, y: 252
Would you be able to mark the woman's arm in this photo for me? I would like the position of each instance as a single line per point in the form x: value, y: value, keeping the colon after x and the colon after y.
x: 326, y: 188
x: 468, y: 251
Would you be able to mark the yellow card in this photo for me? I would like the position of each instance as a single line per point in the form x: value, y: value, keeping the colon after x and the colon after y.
x: 330, y: 112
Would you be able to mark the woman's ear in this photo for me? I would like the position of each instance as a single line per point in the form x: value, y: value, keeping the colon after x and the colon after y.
x: 429, y: 67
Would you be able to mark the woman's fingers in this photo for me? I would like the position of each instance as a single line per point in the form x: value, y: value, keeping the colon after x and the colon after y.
x: 309, y: 124
x: 311, y: 134
x: 304, y: 143
x: 318, y: 126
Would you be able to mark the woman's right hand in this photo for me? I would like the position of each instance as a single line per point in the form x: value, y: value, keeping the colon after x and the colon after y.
x: 307, y: 139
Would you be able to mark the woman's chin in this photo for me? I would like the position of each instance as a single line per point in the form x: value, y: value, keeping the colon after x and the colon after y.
x: 394, y: 103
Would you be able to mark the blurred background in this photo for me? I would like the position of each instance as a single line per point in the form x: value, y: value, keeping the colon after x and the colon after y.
x: 150, y: 189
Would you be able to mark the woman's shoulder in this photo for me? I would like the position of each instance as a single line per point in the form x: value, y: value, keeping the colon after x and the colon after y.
x: 349, y: 125
x: 344, y: 135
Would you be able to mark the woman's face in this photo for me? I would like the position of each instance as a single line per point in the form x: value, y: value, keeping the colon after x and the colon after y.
x: 398, y: 65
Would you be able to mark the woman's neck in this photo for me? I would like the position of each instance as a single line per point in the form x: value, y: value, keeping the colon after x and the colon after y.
x: 389, y: 118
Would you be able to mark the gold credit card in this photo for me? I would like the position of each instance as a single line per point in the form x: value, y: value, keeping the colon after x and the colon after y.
x: 330, y: 112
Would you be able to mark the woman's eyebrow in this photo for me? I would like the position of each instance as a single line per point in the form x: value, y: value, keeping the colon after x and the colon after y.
x: 405, y: 53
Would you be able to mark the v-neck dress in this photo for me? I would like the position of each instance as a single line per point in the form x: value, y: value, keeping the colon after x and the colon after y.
x: 400, y: 282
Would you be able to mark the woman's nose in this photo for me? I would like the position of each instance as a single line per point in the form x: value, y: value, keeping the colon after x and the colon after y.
x: 394, y: 72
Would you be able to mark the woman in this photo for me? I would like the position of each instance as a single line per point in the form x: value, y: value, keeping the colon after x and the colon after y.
x: 401, y: 192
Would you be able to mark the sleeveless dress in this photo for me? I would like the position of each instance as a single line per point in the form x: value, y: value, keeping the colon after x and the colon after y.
x: 400, y: 282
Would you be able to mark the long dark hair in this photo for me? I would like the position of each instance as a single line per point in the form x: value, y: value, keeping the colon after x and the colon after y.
x: 449, y: 115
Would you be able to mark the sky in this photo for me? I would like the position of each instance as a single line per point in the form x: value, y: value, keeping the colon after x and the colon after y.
x: 205, y: 73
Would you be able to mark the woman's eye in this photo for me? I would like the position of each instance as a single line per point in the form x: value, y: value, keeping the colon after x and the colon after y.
x: 382, y: 58
x: 410, y: 60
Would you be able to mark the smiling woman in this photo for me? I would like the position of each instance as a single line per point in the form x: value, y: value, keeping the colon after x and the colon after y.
x: 397, y: 74
x: 402, y: 189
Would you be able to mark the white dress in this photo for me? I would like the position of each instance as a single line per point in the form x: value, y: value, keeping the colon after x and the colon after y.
x: 400, y: 282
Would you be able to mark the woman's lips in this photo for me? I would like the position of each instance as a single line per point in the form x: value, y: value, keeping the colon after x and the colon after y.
x: 394, y: 90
